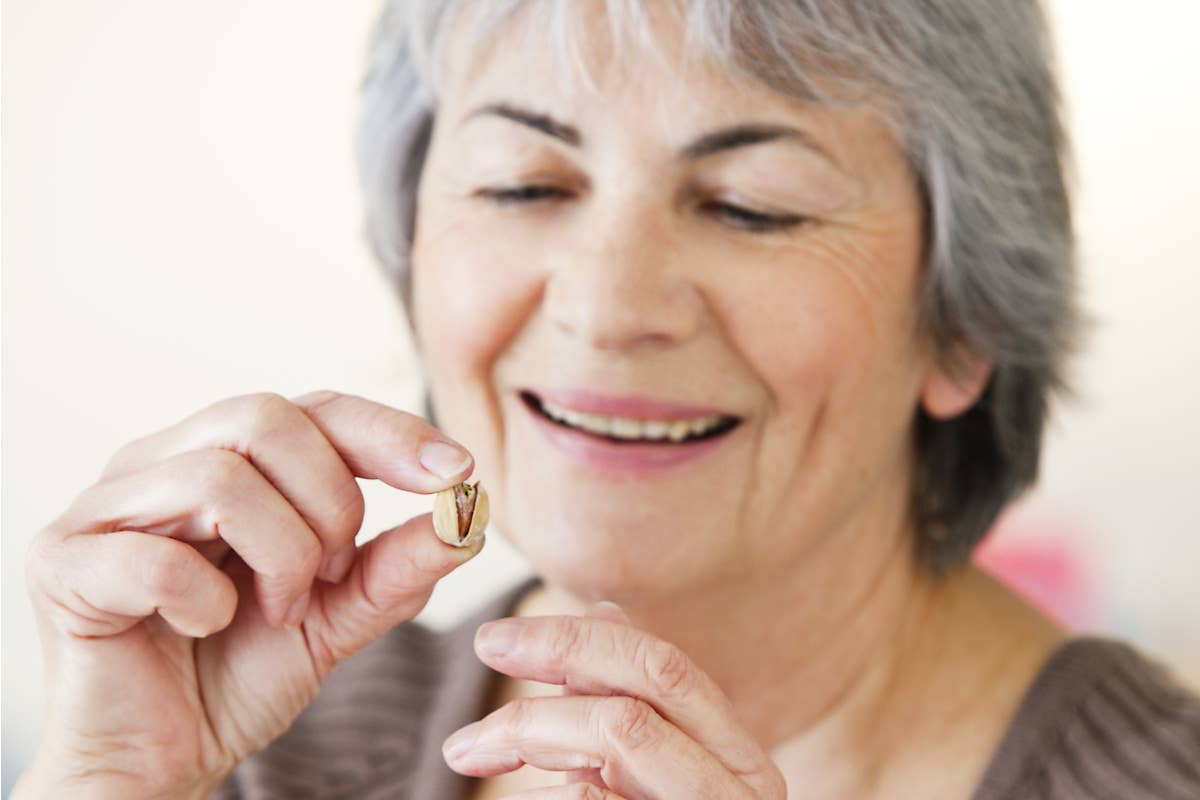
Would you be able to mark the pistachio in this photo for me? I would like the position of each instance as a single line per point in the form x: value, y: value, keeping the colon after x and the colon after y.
x: 460, y: 514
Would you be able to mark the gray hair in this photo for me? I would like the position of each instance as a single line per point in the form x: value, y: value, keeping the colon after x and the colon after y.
x: 969, y: 88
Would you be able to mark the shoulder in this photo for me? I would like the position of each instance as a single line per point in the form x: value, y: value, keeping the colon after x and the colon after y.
x: 376, y: 726
x: 1101, y: 719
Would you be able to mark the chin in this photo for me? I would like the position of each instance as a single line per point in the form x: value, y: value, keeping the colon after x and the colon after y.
x: 597, y: 561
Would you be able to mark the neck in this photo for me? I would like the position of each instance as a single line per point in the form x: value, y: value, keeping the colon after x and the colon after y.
x: 818, y: 657
x: 808, y: 631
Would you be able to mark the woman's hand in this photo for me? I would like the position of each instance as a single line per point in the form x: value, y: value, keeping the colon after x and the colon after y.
x: 191, y: 601
x: 638, y: 719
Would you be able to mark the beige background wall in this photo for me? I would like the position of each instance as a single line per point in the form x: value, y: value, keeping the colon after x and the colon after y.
x: 180, y: 224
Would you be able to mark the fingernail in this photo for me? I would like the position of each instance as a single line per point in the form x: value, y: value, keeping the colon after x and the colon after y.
x: 461, y: 741
x: 444, y: 459
x: 297, y: 611
x: 337, y: 565
x: 497, y: 638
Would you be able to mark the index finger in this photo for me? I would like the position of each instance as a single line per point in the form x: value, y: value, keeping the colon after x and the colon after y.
x: 605, y: 657
x: 310, y: 449
x: 370, y: 440
x: 385, y: 443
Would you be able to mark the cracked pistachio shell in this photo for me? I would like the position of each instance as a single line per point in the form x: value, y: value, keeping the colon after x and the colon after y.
x: 460, y: 514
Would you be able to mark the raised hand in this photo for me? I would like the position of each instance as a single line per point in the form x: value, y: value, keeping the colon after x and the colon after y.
x: 191, y: 601
x: 638, y: 719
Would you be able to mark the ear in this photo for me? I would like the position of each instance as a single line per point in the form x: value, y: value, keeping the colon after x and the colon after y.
x: 947, y: 392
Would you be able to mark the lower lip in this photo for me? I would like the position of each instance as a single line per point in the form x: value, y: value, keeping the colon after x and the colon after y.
x: 594, y: 451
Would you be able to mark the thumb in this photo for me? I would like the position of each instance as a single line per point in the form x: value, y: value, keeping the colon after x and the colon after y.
x: 390, y: 581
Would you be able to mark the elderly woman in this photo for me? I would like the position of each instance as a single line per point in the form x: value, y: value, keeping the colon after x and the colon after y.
x: 749, y: 314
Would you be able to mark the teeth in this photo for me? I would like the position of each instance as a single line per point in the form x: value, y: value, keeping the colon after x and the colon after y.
x: 626, y: 428
x: 595, y: 424
x: 679, y: 431
x: 655, y: 429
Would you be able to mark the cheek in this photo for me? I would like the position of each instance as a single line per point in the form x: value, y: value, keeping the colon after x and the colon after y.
x: 829, y: 334
x: 472, y: 290
x: 829, y: 330
x: 449, y: 291
x: 800, y: 332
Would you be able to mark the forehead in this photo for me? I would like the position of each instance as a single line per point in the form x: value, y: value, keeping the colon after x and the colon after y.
x: 646, y: 73
x: 579, y: 58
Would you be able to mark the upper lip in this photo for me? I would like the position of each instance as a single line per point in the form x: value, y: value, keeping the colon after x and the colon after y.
x: 632, y: 406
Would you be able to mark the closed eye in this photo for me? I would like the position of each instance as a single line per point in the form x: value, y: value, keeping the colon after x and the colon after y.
x: 736, y: 216
x: 523, y: 194
x: 752, y: 220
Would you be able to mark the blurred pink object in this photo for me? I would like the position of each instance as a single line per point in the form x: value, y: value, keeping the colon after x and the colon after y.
x: 1042, y: 562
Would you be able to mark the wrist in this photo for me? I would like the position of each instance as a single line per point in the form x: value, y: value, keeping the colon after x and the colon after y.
x: 42, y: 780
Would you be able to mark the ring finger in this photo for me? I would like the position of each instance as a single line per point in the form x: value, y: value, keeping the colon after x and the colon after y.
x: 637, y: 753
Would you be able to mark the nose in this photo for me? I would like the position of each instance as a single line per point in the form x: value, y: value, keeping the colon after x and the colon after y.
x: 621, y: 284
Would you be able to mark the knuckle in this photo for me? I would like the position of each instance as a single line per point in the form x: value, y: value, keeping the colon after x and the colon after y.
x: 39, y: 549
x: 129, y: 457
x: 220, y: 472
x: 519, y: 714
x: 564, y: 639
x: 43, y: 552
x: 117, y: 461
x: 308, y: 560
x: 347, y: 509
x: 297, y: 564
x: 315, y: 399
x: 628, y: 721
x: 167, y: 570
x: 668, y: 670
x: 268, y: 414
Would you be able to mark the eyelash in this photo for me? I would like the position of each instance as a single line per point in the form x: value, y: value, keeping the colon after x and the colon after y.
x: 754, y: 221
x: 522, y: 194
x: 740, y: 217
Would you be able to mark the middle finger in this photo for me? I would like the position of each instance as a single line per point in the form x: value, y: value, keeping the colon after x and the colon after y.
x: 283, y: 443
x: 602, y: 657
x: 205, y: 496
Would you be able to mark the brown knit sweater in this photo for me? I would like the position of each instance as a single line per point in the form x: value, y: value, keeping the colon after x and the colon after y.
x: 1099, y: 721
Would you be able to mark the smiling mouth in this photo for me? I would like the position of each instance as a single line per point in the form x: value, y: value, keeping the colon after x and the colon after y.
x: 626, y: 430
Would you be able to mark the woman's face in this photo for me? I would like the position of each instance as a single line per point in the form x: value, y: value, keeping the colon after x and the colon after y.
x: 768, y: 275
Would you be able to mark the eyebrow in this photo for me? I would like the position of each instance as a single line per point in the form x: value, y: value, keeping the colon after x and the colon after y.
x: 706, y: 145
x: 539, y: 122
x: 750, y: 134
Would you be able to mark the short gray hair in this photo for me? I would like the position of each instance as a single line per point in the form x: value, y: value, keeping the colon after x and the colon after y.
x: 969, y: 88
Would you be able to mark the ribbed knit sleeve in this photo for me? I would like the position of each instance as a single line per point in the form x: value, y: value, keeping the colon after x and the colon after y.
x: 1100, y: 721
x: 375, y: 729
